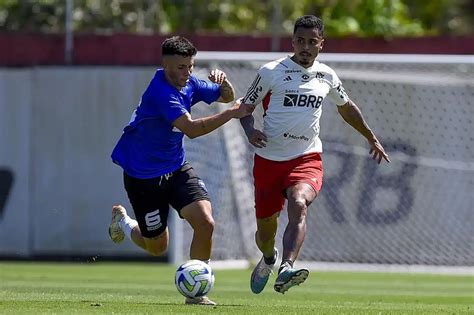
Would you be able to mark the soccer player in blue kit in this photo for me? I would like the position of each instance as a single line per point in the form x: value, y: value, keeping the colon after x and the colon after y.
x: 151, y: 154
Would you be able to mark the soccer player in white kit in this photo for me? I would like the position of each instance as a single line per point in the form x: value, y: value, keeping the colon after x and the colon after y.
x: 287, y: 161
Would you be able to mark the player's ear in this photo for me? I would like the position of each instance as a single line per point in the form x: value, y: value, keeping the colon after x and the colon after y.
x: 321, y: 45
x: 165, y: 61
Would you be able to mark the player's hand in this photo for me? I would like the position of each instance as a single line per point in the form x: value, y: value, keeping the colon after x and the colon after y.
x: 240, y: 110
x: 217, y: 76
x: 257, y: 138
x: 377, y: 151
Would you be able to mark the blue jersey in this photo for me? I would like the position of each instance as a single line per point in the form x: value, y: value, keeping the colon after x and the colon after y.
x: 150, y: 145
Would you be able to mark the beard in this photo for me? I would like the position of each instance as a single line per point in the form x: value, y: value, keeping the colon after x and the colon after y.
x: 305, y: 61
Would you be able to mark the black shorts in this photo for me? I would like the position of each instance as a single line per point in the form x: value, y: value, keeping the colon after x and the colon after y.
x: 151, y: 198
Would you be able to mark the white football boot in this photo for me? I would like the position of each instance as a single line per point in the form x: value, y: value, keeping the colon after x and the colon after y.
x: 115, y: 231
x: 203, y: 300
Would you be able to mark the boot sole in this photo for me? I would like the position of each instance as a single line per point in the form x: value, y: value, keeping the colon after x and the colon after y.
x: 298, y: 278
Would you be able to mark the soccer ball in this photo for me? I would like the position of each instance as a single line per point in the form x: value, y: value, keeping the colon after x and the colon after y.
x: 194, y: 278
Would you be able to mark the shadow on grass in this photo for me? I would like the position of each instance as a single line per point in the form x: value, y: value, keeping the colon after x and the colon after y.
x: 99, y: 304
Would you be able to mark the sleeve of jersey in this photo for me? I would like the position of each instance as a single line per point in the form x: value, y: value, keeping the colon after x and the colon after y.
x: 259, y: 88
x: 205, y: 91
x: 172, y: 109
x: 337, y: 94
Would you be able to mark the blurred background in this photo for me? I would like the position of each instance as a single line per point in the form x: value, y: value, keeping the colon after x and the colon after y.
x: 105, y: 32
x: 364, y: 18
x: 71, y: 73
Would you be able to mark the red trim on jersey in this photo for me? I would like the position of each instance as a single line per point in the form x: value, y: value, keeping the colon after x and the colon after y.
x: 266, y: 102
x: 272, y: 178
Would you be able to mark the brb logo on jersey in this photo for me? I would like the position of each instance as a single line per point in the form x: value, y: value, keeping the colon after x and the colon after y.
x: 302, y: 100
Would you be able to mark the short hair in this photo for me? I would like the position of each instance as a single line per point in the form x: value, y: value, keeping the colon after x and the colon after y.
x: 309, y: 21
x: 178, y: 45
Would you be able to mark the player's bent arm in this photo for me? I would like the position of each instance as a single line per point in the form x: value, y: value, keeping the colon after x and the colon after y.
x: 256, y: 137
x: 353, y: 116
x: 227, y: 92
x: 247, y: 123
x: 198, y: 127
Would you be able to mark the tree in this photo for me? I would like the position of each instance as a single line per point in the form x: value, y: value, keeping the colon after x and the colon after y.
x: 388, y: 18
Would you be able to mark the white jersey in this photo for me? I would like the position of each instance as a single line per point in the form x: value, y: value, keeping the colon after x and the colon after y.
x: 292, y: 96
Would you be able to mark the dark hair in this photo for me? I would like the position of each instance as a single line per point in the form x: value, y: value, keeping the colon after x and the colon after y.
x: 178, y: 45
x: 309, y: 21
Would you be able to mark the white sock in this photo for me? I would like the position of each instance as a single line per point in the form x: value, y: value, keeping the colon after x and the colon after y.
x: 128, y: 224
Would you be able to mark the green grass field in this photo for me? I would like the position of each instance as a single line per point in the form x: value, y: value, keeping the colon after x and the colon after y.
x: 148, y: 288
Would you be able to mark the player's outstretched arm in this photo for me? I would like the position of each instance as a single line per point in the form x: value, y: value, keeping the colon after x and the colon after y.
x: 353, y: 116
x: 197, y: 127
x: 226, y: 89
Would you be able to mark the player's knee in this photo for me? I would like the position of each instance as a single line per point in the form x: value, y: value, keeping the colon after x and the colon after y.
x: 206, y: 225
x: 297, y: 210
x: 301, y: 196
x: 157, y: 249
x: 157, y: 246
x: 299, y: 205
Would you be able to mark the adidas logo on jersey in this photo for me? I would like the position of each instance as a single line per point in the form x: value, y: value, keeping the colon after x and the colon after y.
x: 288, y: 78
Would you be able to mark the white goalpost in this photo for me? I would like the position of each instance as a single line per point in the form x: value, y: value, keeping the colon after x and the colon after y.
x: 416, y: 212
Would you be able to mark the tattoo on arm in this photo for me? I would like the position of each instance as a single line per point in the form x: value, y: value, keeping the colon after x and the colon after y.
x: 227, y: 91
x: 247, y: 123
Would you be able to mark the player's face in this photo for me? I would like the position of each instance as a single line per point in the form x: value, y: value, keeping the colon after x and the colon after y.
x: 178, y: 69
x: 306, y: 45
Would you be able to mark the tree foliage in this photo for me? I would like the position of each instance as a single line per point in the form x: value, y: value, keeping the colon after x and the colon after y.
x: 388, y: 18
